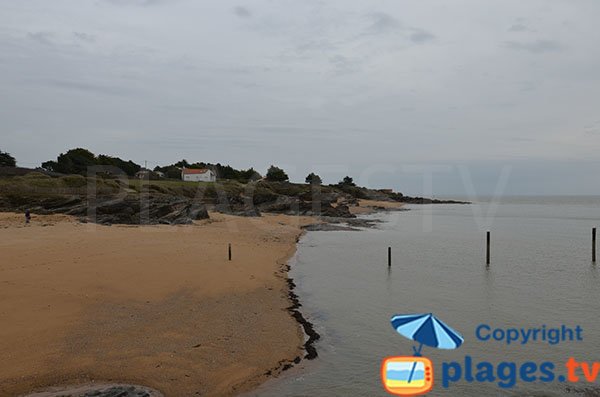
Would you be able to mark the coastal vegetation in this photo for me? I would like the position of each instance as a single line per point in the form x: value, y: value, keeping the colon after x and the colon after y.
x: 78, y: 161
x: 173, y: 171
x: 313, y: 179
x: 6, y: 160
x: 276, y: 174
x: 116, y: 194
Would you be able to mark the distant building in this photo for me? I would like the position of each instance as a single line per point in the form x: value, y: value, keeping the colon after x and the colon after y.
x: 146, y: 174
x: 198, y: 175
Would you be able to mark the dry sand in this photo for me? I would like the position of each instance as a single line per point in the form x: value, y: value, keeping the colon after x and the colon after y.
x: 156, y: 305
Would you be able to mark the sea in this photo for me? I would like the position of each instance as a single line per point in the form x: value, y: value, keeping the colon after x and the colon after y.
x: 541, y: 276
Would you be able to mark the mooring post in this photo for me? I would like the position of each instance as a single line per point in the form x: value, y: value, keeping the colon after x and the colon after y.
x: 593, y: 244
x: 229, y: 251
x: 487, y: 255
x: 389, y: 256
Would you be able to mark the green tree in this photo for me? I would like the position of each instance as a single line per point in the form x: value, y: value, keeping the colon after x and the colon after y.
x: 276, y: 174
x: 77, y: 161
x: 74, y: 161
x: 182, y: 163
x: 170, y: 171
x: 222, y: 171
x: 129, y: 167
x: 347, y: 181
x: 6, y: 160
x: 250, y: 175
x: 313, y: 179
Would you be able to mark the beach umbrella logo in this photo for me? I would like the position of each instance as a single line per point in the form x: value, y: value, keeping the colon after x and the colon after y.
x: 413, y: 375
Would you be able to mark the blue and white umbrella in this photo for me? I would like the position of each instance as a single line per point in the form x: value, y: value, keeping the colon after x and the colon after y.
x: 426, y: 329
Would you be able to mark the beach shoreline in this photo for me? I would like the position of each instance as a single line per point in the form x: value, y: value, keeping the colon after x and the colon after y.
x: 85, y: 318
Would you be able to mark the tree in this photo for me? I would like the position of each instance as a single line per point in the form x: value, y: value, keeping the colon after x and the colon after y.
x: 250, y: 175
x: 170, y: 171
x: 129, y: 167
x: 182, y: 163
x: 313, y: 179
x: 77, y: 161
x: 74, y: 161
x: 276, y: 174
x: 6, y: 160
x: 222, y: 171
x: 347, y: 181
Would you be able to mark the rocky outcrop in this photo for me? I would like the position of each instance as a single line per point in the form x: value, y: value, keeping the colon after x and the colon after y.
x: 99, y: 390
x: 237, y: 209
x: 425, y: 200
x: 129, y: 209
x: 316, y: 207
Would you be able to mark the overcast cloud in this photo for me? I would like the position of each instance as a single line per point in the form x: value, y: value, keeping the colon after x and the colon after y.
x: 369, y: 88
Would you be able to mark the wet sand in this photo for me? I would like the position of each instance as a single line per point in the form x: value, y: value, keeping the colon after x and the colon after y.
x: 160, y: 306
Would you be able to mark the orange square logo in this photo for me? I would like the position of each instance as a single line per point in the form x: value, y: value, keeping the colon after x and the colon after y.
x: 407, y: 375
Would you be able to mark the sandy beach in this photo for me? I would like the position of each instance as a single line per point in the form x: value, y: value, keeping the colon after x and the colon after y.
x: 160, y: 306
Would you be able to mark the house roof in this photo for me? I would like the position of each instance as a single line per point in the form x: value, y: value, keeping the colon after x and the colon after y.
x: 195, y: 171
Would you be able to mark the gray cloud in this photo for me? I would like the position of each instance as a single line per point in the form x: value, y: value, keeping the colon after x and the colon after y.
x: 186, y: 108
x: 382, y: 23
x: 88, y: 38
x: 362, y: 80
x: 518, y: 27
x: 142, y: 3
x: 45, y: 38
x: 85, y: 87
x: 316, y: 45
x: 135, y: 2
x: 592, y: 129
x: 343, y: 65
x: 536, y: 47
x: 526, y: 86
x: 242, y: 12
x: 420, y: 36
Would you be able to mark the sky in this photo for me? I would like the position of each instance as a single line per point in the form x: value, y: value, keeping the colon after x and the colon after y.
x: 426, y: 97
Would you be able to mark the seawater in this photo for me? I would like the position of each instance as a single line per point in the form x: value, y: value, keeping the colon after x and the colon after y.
x: 541, y: 274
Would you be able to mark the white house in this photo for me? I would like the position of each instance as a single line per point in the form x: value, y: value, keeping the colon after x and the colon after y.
x: 198, y: 175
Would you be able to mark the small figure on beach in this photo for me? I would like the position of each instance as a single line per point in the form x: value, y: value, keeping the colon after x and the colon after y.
x: 27, y: 216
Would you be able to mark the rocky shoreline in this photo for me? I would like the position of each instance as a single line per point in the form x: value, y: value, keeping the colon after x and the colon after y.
x: 100, y: 390
x: 135, y: 202
x: 326, y: 224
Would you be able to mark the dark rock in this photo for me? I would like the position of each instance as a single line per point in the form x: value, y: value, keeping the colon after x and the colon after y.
x: 425, y: 200
x: 297, y: 206
x: 328, y: 227
x: 130, y: 209
x: 119, y: 391
x: 239, y: 209
x: 106, y: 390
x: 283, y: 204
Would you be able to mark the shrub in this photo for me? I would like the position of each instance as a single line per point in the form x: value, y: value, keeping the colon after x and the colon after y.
x: 276, y: 174
x: 74, y: 180
x: 6, y: 160
x: 313, y: 179
x: 347, y: 181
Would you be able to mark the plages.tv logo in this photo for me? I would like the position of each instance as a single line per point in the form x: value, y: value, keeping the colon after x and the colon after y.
x: 413, y: 375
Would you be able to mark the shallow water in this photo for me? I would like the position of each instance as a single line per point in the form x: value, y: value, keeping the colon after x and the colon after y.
x: 541, y: 274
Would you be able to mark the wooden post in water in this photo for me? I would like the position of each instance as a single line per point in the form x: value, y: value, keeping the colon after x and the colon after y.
x: 594, y: 245
x: 487, y: 253
x: 389, y: 256
x: 229, y: 251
